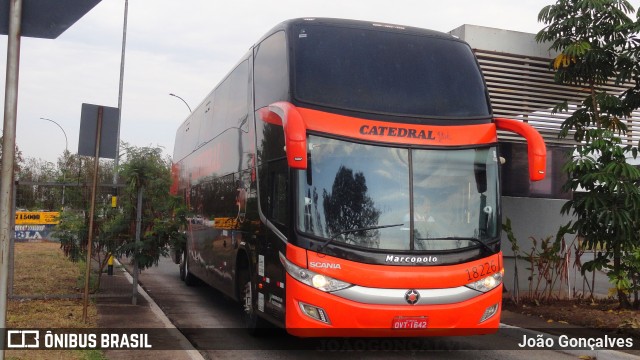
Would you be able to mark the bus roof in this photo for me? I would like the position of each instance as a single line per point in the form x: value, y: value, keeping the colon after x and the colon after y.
x: 373, y: 25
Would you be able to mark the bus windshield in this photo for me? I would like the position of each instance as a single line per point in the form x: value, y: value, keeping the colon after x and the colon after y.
x: 350, y: 186
x: 385, y: 72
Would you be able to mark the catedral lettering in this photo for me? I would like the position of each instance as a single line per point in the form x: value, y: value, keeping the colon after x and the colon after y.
x: 397, y: 131
x: 349, y: 199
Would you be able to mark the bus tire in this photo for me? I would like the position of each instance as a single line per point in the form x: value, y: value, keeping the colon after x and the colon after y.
x: 175, y: 254
x: 248, y: 296
x: 188, y: 278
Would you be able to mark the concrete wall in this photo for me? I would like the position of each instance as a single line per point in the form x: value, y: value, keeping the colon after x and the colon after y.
x: 531, y: 217
x: 504, y: 41
x: 540, y: 218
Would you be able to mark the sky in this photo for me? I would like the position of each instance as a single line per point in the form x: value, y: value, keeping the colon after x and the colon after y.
x: 186, y: 47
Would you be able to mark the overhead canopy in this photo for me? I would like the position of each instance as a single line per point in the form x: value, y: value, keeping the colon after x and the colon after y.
x: 46, y: 19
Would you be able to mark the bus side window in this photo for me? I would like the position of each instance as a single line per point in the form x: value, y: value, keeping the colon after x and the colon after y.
x: 271, y: 78
x: 277, y: 197
x: 273, y: 192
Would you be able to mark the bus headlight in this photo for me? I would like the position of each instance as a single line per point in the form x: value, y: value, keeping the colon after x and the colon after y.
x: 488, y: 283
x: 313, y: 279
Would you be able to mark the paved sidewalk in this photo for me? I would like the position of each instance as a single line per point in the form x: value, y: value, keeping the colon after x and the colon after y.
x: 532, y: 325
x: 118, y: 313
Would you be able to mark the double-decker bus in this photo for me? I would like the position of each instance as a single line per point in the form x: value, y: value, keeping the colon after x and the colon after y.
x: 343, y: 179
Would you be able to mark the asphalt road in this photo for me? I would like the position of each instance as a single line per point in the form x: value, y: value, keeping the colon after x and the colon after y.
x: 212, y: 323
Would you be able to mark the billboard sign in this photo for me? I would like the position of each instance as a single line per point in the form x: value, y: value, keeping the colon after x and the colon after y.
x: 37, y: 217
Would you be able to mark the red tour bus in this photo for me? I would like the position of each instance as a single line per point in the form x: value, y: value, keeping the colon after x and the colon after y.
x: 343, y: 180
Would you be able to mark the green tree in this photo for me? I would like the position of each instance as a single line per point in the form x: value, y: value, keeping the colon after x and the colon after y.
x: 145, y: 168
x: 115, y: 228
x: 72, y: 233
x: 37, y: 197
x: 596, y: 43
x: 78, y: 172
x: 69, y: 168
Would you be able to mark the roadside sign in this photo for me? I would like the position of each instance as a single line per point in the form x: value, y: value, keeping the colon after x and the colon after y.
x: 109, y: 131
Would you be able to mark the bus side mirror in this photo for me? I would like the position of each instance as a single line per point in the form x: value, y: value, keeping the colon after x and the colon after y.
x: 295, y: 131
x: 536, y: 149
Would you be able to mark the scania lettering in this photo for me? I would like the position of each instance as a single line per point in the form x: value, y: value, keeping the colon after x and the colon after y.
x: 335, y: 188
x: 324, y: 265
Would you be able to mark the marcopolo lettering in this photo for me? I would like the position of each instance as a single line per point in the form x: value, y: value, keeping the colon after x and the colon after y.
x: 411, y: 259
x: 396, y: 132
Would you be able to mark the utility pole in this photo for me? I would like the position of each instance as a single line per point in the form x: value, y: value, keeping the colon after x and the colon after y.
x: 8, y: 157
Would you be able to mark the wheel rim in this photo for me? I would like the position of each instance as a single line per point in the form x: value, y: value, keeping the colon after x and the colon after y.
x: 183, y: 268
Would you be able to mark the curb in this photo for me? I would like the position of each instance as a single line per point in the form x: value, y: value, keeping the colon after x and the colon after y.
x: 185, y: 344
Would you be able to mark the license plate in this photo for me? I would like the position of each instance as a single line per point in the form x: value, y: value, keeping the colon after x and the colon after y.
x: 409, y: 322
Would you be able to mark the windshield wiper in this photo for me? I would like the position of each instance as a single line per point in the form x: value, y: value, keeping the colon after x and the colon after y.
x: 477, y: 241
x: 329, y: 240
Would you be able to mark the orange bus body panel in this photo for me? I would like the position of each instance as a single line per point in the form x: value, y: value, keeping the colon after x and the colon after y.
x: 536, y: 147
x: 297, y: 255
x: 397, y: 276
x: 352, y: 319
x: 398, y: 133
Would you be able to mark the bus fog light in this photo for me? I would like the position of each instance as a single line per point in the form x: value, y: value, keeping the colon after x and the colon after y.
x: 489, y: 312
x: 314, y: 312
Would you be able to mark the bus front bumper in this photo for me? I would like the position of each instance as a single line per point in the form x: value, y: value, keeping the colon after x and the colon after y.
x: 314, y: 313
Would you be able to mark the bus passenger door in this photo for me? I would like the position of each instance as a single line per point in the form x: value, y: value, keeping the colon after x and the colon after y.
x: 275, y: 201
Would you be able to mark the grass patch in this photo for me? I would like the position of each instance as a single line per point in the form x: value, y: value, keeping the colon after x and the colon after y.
x: 42, y: 269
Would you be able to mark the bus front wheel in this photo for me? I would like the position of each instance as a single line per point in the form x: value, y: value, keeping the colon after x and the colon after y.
x: 188, y: 278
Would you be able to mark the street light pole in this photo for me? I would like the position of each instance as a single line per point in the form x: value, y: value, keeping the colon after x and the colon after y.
x: 189, y: 107
x: 66, y: 141
x: 116, y: 161
x: 66, y: 151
